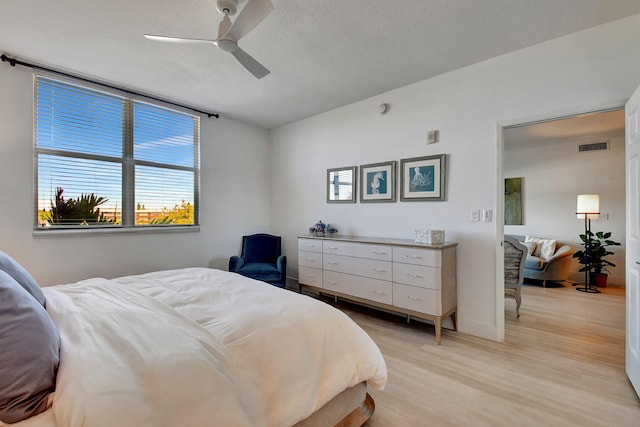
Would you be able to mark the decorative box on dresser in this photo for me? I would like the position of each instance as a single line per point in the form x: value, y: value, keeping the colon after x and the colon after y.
x: 415, y: 279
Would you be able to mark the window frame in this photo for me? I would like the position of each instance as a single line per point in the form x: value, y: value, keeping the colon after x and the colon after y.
x: 127, y: 161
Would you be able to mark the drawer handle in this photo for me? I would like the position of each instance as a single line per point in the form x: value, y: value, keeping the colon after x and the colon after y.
x: 380, y: 293
x: 416, y: 276
x: 309, y: 275
x: 380, y: 270
x: 413, y: 298
x: 414, y: 256
x: 379, y: 252
x: 333, y: 248
x: 332, y: 262
x: 332, y: 282
x: 310, y: 259
x: 311, y: 246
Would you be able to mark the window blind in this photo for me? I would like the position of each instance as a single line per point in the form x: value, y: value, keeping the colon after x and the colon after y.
x: 105, y: 160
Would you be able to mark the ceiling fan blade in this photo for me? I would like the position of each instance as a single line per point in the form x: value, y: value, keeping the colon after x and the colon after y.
x: 253, y: 14
x: 250, y: 64
x: 177, y: 39
x: 224, y: 26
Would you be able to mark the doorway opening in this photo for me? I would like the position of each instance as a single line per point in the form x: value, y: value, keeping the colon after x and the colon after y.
x: 555, y: 160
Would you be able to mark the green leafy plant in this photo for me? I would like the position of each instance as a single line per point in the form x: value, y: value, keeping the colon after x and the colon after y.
x: 81, y: 211
x: 179, y: 214
x: 594, y: 259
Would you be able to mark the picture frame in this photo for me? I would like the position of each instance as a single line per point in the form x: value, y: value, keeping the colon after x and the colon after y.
x: 423, y: 178
x: 341, y: 184
x: 378, y: 182
x: 513, y: 201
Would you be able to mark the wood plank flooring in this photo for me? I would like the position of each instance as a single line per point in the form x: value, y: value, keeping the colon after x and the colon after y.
x: 562, y: 364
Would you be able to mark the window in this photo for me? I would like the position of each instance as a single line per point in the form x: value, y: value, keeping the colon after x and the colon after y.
x: 105, y: 160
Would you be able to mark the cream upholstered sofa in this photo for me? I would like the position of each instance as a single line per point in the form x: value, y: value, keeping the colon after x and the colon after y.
x: 554, y: 268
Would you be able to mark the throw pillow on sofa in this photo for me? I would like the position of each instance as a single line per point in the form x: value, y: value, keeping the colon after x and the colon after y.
x: 531, y: 247
x: 545, y: 248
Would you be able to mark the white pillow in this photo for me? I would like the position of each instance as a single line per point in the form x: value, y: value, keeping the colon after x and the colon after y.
x: 545, y: 248
x: 531, y: 247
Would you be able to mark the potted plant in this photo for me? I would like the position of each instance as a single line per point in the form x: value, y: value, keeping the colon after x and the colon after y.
x: 593, y: 258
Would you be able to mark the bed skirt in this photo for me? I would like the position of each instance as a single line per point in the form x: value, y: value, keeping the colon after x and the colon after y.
x: 353, y: 407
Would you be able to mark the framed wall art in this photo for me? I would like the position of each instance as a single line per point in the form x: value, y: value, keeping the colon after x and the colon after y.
x: 513, y: 201
x: 423, y: 178
x: 341, y: 185
x: 378, y: 182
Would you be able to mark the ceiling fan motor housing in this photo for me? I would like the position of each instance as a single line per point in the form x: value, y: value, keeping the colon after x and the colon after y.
x: 228, y: 6
x: 227, y: 45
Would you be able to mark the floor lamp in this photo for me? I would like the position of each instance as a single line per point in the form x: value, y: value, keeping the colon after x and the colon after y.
x: 588, y: 209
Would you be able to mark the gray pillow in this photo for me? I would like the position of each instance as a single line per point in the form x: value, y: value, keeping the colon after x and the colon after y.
x: 21, y: 276
x: 29, y: 353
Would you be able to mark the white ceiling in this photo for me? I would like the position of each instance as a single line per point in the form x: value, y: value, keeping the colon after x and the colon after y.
x: 322, y: 54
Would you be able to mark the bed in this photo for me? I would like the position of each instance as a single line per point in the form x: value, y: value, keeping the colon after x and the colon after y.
x: 204, y: 347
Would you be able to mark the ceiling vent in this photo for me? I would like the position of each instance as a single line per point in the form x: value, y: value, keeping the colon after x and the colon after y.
x: 594, y: 146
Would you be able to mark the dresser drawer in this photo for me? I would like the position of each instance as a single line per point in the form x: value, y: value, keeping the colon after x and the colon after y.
x: 310, y: 276
x: 359, y: 250
x: 310, y: 259
x: 309, y: 245
x: 423, y: 300
x: 359, y: 266
x: 417, y: 275
x: 427, y: 257
x: 363, y: 287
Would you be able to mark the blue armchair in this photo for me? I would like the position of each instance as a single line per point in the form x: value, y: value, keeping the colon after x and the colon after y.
x: 261, y: 259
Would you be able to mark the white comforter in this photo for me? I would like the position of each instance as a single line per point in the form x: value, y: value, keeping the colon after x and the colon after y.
x: 200, y: 347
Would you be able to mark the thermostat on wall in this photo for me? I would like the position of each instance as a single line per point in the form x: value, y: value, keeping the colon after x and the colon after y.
x: 433, y: 137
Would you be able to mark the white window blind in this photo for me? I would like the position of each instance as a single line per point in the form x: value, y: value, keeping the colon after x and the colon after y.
x: 105, y: 160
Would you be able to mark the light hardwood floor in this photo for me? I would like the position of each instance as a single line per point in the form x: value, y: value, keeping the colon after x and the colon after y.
x: 562, y: 364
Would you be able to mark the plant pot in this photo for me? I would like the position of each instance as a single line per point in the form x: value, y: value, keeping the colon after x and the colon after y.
x: 598, y: 279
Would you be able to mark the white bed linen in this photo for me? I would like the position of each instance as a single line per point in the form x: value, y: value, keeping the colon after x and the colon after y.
x: 200, y: 347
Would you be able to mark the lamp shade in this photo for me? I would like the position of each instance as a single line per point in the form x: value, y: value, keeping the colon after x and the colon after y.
x: 589, y: 205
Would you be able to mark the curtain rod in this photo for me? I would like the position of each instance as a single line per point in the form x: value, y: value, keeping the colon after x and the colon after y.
x: 13, y: 62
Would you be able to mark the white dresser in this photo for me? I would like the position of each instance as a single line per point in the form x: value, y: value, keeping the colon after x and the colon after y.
x: 415, y: 279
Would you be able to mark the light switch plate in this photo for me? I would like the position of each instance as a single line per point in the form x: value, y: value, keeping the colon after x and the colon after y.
x: 475, y: 215
x: 487, y: 215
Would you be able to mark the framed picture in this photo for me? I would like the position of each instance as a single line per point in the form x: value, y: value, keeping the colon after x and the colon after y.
x: 378, y: 182
x: 423, y: 178
x: 341, y: 185
x: 513, y: 201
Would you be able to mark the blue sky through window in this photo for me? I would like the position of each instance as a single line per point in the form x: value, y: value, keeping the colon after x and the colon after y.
x: 162, y: 135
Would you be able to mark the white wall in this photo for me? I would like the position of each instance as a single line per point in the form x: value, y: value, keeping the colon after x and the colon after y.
x: 589, y: 70
x: 554, y: 174
x: 234, y: 201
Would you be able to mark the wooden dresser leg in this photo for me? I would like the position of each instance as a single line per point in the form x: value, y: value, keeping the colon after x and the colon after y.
x: 438, y: 323
x: 455, y: 321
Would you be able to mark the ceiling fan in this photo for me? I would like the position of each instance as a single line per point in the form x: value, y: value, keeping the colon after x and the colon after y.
x: 254, y: 12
